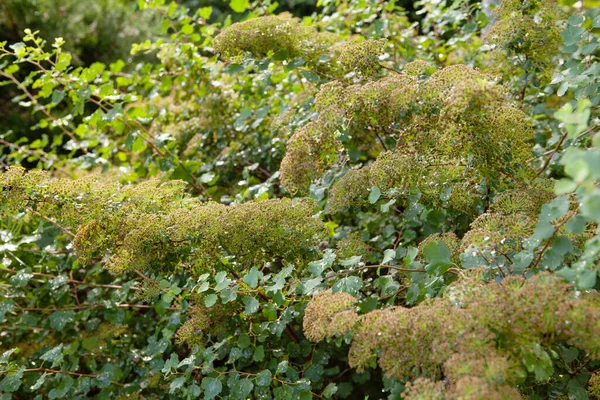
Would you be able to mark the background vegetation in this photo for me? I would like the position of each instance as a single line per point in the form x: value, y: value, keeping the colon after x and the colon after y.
x: 346, y: 199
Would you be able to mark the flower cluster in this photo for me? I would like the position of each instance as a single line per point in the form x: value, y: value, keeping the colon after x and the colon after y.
x: 329, y: 314
x: 361, y: 58
x: 155, y: 225
x: 453, y: 130
x: 528, y: 30
x: 264, y: 36
x: 481, y: 337
x: 510, y: 219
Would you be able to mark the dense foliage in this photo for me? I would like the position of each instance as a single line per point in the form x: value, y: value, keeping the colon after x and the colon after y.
x: 353, y: 204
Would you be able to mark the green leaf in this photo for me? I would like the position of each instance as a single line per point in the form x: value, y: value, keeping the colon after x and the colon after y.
x: 252, y: 277
x: 251, y: 305
x: 66, y: 382
x: 12, y: 381
x: 596, y: 23
x: 6, y: 355
x: 564, y: 185
x: 374, y: 195
x: 171, y: 364
x: 38, y: 384
x: 349, y: 284
x: 388, y: 255
x: 543, y: 230
x: 351, y: 261
x: 317, y: 267
x: 177, y: 384
x: 58, y: 319
x: 298, y: 62
x: 572, y: 35
x: 54, y: 355
x: 437, y: 252
x: 578, y: 170
x: 205, y: 12
x: 576, y: 224
x: 263, y: 378
x: 63, y: 62
x: 562, y: 89
x: 113, y: 113
x: 314, y: 373
x: 587, y: 279
x: 310, y: 76
x: 58, y: 96
x: 259, y: 354
x: 575, y: 20
x: 243, y: 341
x: 21, y: 278
x: 556, y: 209
x: 282, y: 367
x: 590, y: 205
x: 330, y: 390
x: 239, y: 6
x: 212, y: 387
x: 210, y: 300
x: 207, y: 177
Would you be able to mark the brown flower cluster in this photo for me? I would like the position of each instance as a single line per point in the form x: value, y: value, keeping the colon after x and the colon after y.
x: 477, y: 339
x: 329, y: 314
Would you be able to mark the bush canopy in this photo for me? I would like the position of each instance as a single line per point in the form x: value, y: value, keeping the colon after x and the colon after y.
x: 364, y: 202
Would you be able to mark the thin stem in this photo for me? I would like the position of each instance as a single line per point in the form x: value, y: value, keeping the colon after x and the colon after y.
x: 90, y: 307
x: 549, y: 242
x: 74, y: 281
x: 391, y: 69
x: 547, y: 162
x: 55, y: 371
x: 53, y: 222
x: 343, y: 273
x: 42, y: 108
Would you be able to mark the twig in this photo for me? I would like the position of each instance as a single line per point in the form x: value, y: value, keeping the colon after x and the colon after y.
x: 343, y: 273
x: 75, y: 281
x: 391, y: 69
x: 547, y: 162
x: 55, y: 371
x: 556, y: 228
x: 42, y: 108
x: 59, y: 226
x: 90, y: 307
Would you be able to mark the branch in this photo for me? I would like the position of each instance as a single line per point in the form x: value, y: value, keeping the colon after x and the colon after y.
x: 42, y: 108
x: 90, y: 307
x: 375, y: 266
x: 75, y: 281
x: 59, y: 226
x: 556, y: 228
x: 547, y: 162
x: 391, y: 69
x: 55, y: 371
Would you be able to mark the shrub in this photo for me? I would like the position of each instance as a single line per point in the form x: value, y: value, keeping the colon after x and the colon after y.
x: 348, y: 205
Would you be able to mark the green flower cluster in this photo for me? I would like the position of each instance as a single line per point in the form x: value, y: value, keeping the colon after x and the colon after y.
x: 264, y: 36
x: 204, y: 321
x: 510, y: 219
x: 155, y: 225
x: 453, y: 130
x: 289, y: 39
x: 310, y: 151
x: 481, y: 337
x: 529, y: 31
x: 361, y: 57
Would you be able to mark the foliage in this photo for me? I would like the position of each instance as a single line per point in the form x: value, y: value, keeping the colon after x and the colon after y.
x: 353, y: 204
